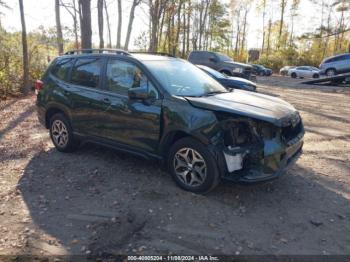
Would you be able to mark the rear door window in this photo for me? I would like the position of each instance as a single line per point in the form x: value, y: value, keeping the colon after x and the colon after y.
x: 87, y: 72
x: 62, y: 68
x: 338, y: 58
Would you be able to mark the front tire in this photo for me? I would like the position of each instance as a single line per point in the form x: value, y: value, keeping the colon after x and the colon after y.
x: 193, y: 166
x: 316, y: 76
x: 61, y: 134
x: 294, y: 75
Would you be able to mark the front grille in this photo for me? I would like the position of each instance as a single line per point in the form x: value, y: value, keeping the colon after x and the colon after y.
x: 290, y: 132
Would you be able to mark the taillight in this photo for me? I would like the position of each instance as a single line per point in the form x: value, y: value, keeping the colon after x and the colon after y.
x: 39, y: 85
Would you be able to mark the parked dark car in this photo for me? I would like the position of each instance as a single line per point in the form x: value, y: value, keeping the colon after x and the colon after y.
x: 221, y: 63
x: 168, y: 109
x: 284, y: 70
x: 229, y: 81
x: 261, y: 70
x: 334, y: 65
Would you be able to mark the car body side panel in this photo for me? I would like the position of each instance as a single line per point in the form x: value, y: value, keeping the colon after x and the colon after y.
x: 53, y: 97
x: 87, y: 110
x: 132, y: 122
x: 179, y: 115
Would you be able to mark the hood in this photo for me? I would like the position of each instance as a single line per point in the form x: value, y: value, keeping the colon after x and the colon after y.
x: 240, y: 80
x: 248, y: 104
x: 237, y: 64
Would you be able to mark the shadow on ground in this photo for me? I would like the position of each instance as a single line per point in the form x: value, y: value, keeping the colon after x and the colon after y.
x: 100, y: 201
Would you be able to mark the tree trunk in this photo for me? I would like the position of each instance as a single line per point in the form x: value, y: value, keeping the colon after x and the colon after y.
x: 153, y: 10
x: 268, y: 38
x: 170, y: 32
x: 188, y: 28
x: 131, y: 20
x: 263, y: 28
x: 202, y: 21
x: 26, y: 84
x: 283, y: 7
x: 175, y: 45
x: 85, y: 23
x: 167, y: 18
x: 325, y: 47
x: 58, y: 28
x: 119, y: 29
x: 244, y: 31
x: 108, y: 25
x: 183, y: 32
x: 75, y: 25
x: 160, y: 30
x: 100, y: 21
x: 238, y: 32
x: 75, y: 20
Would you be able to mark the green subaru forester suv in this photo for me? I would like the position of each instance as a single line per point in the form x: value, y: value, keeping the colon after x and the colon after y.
x: 162, y: 107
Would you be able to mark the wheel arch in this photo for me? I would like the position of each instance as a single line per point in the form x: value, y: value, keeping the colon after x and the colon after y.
x: 173, y: 136
x: 52, y: 110
x: 225, y: 71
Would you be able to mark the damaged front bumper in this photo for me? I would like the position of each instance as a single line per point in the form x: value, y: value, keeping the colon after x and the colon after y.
x: 250, y: 165
x: 280, y: 162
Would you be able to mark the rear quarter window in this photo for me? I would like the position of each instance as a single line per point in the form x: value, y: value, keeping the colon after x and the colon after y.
x: 87, y: 72
x: 62, y: 68
x: 194, y: 56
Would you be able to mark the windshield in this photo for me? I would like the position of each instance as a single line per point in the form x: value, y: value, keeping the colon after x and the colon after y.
x: 181, y: 78
x: 223, y: 57
x: 212, y: 72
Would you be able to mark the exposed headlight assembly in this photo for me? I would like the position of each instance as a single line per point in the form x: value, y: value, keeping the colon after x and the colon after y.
x: 266, y: 130
x: 237, y: 70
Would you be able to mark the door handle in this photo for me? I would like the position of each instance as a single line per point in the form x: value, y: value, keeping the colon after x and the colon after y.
x: 106, y: 100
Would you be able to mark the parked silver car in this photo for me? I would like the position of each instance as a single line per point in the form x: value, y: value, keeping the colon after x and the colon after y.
x: 304, y: 71
x: 338, y: 64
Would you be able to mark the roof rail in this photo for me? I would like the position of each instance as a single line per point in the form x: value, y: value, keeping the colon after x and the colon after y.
x: 98, y: 51
x: 154, y: 53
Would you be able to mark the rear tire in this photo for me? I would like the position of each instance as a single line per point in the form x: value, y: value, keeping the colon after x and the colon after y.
x: 316, y: 76
x: 294, y: 75
x: 331, y: 72
x: 193, y: 166
x: 61, y: 134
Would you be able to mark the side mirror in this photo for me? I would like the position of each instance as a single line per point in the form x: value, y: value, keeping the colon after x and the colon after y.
x: 138, y: 93
x: 213, y: 59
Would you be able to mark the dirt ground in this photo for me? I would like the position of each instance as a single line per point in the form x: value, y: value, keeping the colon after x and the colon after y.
x: 99, y: 201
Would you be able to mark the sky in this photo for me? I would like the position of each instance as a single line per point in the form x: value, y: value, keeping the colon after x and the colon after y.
x: 41, y: 12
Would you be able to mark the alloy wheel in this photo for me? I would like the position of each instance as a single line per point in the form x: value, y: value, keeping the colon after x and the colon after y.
x: 190, y: 167
x: 59, y: 133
